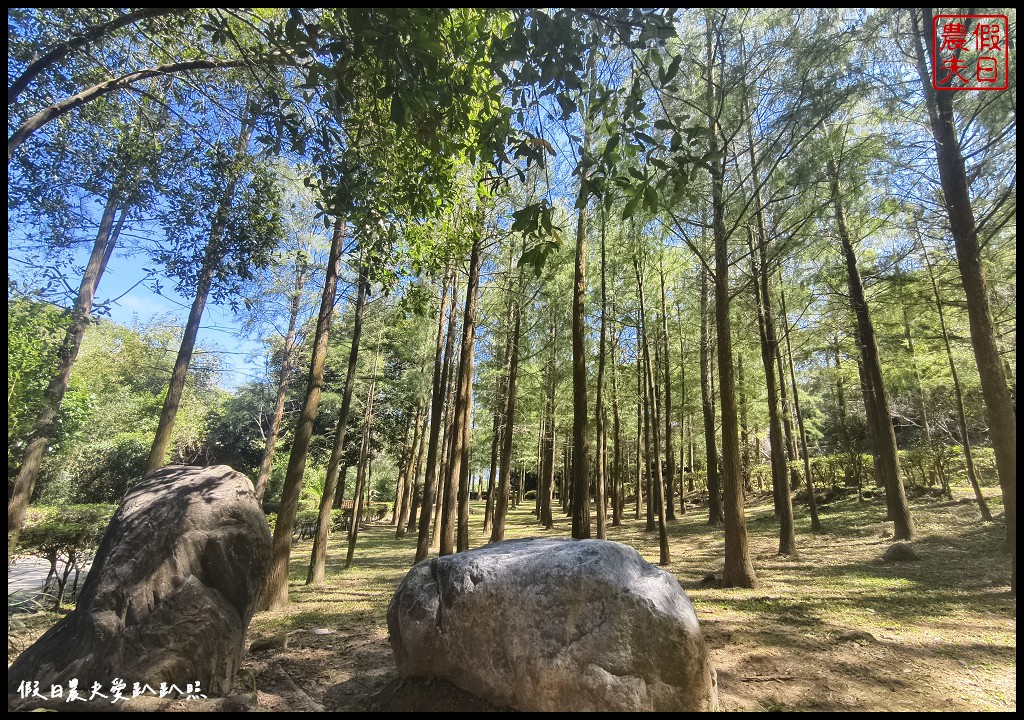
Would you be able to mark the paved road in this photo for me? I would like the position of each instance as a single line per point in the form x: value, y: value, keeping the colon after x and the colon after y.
x: 25, y: 578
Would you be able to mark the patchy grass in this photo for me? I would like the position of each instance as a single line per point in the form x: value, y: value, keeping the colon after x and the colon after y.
x: 832, y: 629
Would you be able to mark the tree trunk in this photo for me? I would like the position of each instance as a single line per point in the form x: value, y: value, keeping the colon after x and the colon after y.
x: 776, y: 436
x: 599, y: 419
x: 275, y: 591
x: 811, y: 501
x: 417, y: 488
x: 408, y: 509
x: 684, y: 420
x: 885, y: 436
x: 46, y: 423
x: 670, y: 458
x: 212, y: 257
x: 364, y: 470
x: 446, y: 481
x: 405, y: 460
x: 715, y: 517
x: 463, y: 403
x: 505, y: 468
x: 548, y: 464
x: 639, y: 437
x: 270, y: 448
x: 744, y: 430
x: 844, y: 432
x: 495, y: 444
x: 318, y: 557
x: 655, y: 422
x: 961, y: 415
x: 739, y: 572
x: 436, y: 415
x: 999, y: 407
x: 649, y: 460
x: 617, y: 466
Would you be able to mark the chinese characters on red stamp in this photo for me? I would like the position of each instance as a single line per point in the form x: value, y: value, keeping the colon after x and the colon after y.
x: 971, y: 52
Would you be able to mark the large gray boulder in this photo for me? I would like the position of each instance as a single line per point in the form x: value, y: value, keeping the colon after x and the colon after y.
x: 170, y: 593
x: 542, y: 625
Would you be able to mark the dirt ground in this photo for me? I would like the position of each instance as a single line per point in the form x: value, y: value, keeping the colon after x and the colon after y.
x: 834, y: 629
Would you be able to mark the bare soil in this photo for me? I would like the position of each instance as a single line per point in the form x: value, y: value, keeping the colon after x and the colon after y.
x: 834, y: 629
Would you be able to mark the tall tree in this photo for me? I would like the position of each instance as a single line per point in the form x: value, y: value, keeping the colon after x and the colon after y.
x: 739, y: 571
x: 364, y: 459
x: 275, y: 590
x: 437, y: 403
x: 999, y: 407
x: 655, y: 422
x: 318, y: 555
x: 883, y: 433
x: 244, y: 229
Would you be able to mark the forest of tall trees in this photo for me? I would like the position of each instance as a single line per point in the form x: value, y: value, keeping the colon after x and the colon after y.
x: 601, y: 262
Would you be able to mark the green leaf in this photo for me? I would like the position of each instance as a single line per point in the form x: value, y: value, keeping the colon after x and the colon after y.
x: 630, y: 207
x: 673, y: 68
x: 567, y: 105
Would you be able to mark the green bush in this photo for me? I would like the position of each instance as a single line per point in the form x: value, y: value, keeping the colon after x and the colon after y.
x: 103, y: 471
x: 65, y: 535
x: 376, y: 511
x: 530, y: 495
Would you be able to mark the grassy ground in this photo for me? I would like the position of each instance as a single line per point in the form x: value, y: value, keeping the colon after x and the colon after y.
x: 836, y: 628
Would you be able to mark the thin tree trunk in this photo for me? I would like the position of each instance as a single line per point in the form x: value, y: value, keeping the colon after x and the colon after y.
x: 505, y: 468
x: 417, y: 488
x: 499, y: 408
x: 436, y: 417
x: 655, y: 422
x: 787, y: 420
x: 63, y: 107
x: 739, y: 571
x: 270, y: 447
x: 715, y: 517
x: 495, y: 443
x: 599, y: 419
x: 999, y: 407
x: 965, y: 441
x: 408, y: 508
x: 670, y: 458
x: 844, y: 432
x: 275, y: 591
x: 885, y: 436
x: 548, y: 471
x: 365, y: 468
x: 617, y: 467
x: 403, y: 470
x: 446, y: 481
x: 811, y: 501
x: 212, y: 257
x: 318, y: 556
x: 639, y: 437
x: 463, y: 405
x: 684, y: 420
x: 744, y: 430
x: 46, y: 423
x: 776, y: 436
x: 648, y: 459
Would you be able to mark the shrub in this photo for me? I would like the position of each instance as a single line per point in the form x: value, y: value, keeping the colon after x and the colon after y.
x: 66, y: 535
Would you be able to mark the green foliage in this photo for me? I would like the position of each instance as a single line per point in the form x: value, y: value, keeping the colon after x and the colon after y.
x: 115, y: 397
x: 35, y: 331
x: 103, y: 470
x: 67, y: 536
